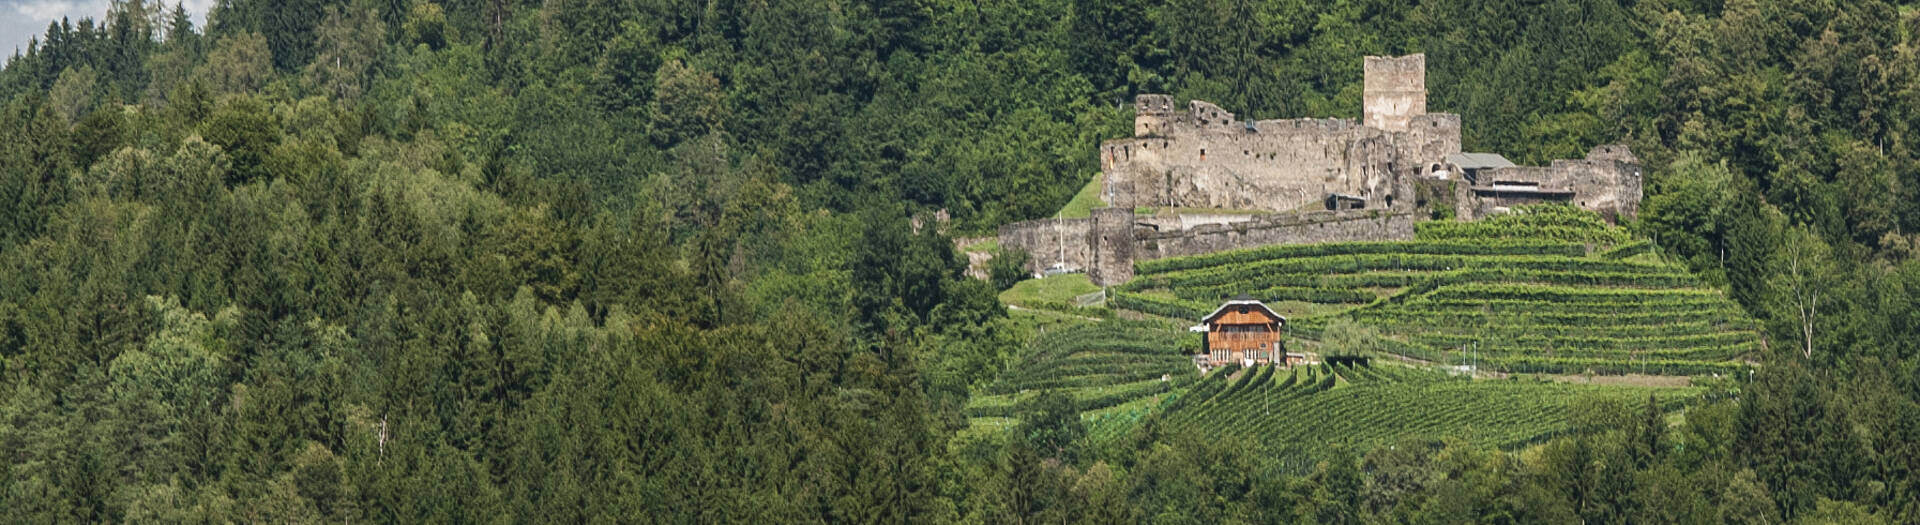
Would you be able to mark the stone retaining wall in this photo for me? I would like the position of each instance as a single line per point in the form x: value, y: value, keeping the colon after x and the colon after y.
x: 1106, y: 244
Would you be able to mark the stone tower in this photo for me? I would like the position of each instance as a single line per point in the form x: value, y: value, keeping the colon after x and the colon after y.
x: 1152, y: 114
x: 1110, y: 239
x: 1395, y: 92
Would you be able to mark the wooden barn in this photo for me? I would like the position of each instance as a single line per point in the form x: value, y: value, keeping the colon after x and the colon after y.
x: 1242, y: 331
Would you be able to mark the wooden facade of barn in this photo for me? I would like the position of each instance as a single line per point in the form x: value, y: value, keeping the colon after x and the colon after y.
x: 1242, y: 331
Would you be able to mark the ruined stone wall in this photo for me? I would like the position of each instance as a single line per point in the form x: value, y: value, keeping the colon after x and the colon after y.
x: 1046, y: 239
x: 1428, y: 140
x: 1394, y: 91
x: 1203, y: 156
x: 1107, y: 244
x: 1435, y: 197
x: 1607, y: 181
x: 1277, y: 165
x: 1290, y: 228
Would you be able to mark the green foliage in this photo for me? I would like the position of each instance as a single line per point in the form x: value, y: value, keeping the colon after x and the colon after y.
x: 579, y: 261
x: 1008, y: 268
x: 1050, y: 423
x: 1095, y: 354
x: 1342, y: 337
x: 245, y: 130
x: 1307, y: 410
x: 1537, y: 222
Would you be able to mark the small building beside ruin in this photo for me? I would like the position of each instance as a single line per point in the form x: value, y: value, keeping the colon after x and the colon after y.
x: 1245, y: 331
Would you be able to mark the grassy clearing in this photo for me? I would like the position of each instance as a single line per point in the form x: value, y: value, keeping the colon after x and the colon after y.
x: 1054, y: 288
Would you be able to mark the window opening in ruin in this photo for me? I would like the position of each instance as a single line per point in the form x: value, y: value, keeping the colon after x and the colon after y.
x: 1203, y: 154
x: 1163, y: 144
x: 1389, y: 201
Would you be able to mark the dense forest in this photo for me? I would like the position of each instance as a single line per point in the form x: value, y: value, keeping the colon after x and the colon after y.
x: 643, y: 260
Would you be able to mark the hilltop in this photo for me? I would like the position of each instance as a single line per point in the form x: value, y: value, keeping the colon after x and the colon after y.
x: 607, y: 261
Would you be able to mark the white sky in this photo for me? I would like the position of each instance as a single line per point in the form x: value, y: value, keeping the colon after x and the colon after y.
x: 22, y: 20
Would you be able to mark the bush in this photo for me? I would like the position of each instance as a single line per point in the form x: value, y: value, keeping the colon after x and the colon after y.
x: 1008, y: 268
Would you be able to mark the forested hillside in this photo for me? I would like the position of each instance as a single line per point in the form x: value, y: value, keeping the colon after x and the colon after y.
x: 612, y: 260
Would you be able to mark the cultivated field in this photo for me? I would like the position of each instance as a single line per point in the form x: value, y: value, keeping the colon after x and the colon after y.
x: 1547, y: 290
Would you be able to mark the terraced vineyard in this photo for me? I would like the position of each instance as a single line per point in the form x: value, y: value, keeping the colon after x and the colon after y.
x: 1102, y: 365
x: 1519, y: 291
x: 1311, y: 407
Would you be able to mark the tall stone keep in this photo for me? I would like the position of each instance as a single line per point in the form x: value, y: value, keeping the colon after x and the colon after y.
x: 1395, y: 91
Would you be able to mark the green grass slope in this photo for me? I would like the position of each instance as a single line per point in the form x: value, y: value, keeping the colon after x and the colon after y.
x: 1048, y: 291
x: 1085, y: 200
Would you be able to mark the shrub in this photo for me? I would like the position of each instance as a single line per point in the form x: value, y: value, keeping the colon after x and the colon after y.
x: 1008, y: 267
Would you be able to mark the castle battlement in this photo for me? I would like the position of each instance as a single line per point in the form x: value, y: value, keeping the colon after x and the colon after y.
x: 1311, y: 176
x: 1204, y: 156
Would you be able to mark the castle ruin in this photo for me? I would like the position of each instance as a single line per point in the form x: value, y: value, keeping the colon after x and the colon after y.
x: 1205, y: 157
x: 1390, y: 163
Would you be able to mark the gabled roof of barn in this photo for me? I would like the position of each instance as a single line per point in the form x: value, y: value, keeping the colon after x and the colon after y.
x: 1240, y: 300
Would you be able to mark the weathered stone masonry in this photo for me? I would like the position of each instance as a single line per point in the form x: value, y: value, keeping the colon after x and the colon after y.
x: 1282, y: 171
x: 1205, y: 157
x: 1607, y: 181
x: 1050, y: 241
x: 1107, y: 244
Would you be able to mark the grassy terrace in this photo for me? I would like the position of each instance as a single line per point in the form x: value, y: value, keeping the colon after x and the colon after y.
x: 1520, y: 292
x: 1052, y: 289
